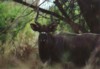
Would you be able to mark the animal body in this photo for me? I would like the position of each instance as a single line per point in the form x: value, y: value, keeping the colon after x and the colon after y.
x: 65, y: 47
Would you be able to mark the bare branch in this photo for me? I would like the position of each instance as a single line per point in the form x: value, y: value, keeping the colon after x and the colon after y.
x: 76, y: 27
x: 40, y: 9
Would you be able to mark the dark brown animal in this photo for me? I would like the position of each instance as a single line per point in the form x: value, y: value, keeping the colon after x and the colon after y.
x: 65, y: 47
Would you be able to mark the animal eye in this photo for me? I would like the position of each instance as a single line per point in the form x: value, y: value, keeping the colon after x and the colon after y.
x: 43, y: 32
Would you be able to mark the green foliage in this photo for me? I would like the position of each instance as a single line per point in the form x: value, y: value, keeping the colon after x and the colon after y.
x: 64, y: 27
x: 12, y: 19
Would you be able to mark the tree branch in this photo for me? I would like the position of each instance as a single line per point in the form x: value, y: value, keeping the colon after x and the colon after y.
x: 76, y: 27
x: 40, y: 9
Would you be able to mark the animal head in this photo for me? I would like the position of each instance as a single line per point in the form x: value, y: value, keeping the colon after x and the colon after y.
x: 43, y: 28
x: 44, y: 31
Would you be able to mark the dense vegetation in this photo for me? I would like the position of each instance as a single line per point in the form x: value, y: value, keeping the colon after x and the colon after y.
x: 18, y: 42
x: 14, y: 30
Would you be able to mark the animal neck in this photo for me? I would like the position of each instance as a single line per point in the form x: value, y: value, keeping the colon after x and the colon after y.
x: 45, y: 47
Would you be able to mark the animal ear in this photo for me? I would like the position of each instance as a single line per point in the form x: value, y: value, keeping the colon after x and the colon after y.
x: 52, y: 27
x: 35, y: 27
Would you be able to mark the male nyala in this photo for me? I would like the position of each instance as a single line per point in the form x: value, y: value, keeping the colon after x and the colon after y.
x: 65, y: 47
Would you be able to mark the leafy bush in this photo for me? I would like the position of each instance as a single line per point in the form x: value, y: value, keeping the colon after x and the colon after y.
x: 12, y: 19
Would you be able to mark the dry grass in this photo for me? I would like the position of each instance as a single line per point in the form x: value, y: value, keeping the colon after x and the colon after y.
x: 26, y: 57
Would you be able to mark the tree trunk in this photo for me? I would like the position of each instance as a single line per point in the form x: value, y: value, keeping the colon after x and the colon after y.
x: 90, y: 10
